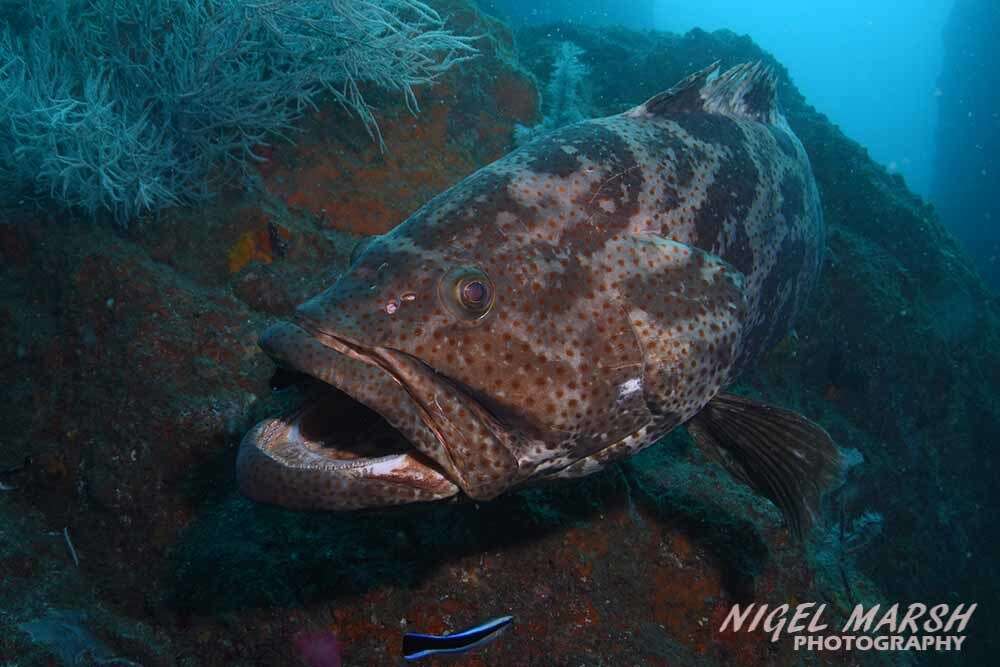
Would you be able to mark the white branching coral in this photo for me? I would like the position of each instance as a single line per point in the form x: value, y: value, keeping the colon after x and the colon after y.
x: 128, y: 106
x: 562, y: 102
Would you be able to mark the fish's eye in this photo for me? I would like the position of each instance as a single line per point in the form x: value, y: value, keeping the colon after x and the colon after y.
x: 474, y: 293
x: 468, y: 292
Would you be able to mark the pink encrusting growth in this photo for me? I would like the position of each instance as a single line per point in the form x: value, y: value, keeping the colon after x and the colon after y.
x: 624, y: 271
x: 317, y: 648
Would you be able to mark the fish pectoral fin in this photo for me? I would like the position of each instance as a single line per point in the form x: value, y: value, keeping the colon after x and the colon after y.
x: 778, y: 453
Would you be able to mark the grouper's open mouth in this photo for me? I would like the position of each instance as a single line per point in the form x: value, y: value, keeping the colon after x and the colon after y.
x: 375, y: 437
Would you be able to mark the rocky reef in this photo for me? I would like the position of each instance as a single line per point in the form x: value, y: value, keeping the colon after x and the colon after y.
x: 131, y: 371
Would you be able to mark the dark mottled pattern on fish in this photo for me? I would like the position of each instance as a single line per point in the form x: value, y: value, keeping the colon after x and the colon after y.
x: 640, y: 263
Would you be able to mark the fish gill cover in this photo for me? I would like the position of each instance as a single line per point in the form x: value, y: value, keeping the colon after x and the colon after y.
x: 126, y: 107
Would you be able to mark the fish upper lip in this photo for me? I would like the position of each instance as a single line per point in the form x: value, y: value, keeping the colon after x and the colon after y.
x: 411, y: 373
x: 336, y: 342
x: 381, y: 356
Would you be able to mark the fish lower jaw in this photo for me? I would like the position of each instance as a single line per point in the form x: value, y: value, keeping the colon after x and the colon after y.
x: 290, y: 461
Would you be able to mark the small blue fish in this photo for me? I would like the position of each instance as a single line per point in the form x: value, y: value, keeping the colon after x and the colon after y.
x: 417, y: 646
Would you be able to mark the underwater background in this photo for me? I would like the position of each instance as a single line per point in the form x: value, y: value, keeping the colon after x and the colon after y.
x: 176, y: 174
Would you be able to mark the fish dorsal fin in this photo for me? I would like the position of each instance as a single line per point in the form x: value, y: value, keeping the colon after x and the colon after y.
x: 744, y: 91
x: 685, y: 95
x: 748, y: 90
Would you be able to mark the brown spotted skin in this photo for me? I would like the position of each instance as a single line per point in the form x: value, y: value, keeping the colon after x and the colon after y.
x: 640, y: 263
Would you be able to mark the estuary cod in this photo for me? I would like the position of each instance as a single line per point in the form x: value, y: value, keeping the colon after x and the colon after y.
x: 562, y: 308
